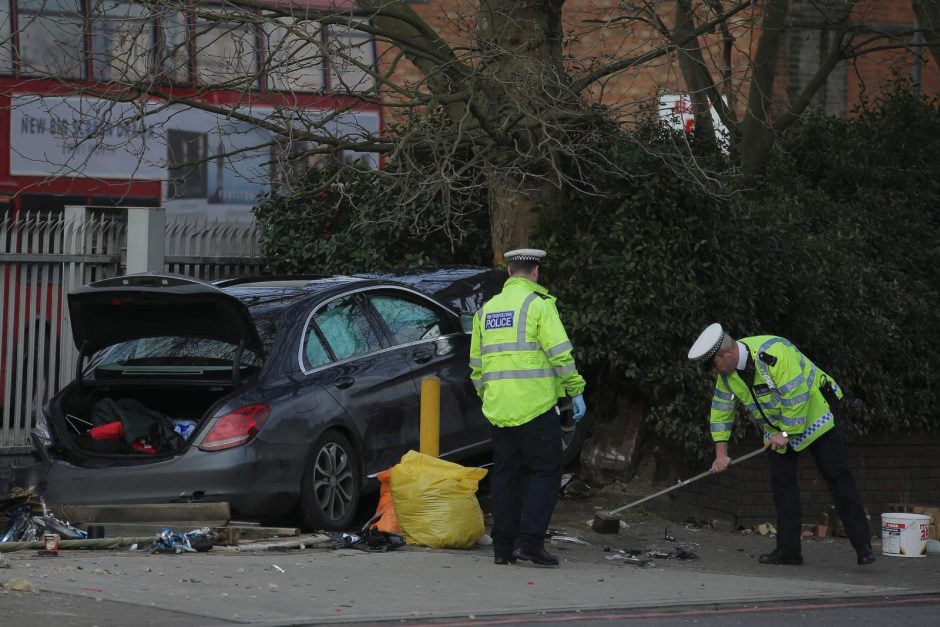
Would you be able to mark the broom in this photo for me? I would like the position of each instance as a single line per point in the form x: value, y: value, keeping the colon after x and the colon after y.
x: 609, y: 522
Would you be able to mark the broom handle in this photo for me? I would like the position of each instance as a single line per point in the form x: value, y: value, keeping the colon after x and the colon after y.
x: 684, y: 483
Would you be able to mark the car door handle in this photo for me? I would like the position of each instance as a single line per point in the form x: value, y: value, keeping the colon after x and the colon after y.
x: 344, y: 382
x: 421, y: 357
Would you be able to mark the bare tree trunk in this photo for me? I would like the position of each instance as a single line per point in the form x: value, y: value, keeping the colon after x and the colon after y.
x: 521, y: 63
x: 512, y: 216
x: 928, y: 17
x: 757, y: 136
x: 695, y: 72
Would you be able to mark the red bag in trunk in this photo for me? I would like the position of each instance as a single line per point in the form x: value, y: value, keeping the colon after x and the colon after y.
x: 108, y: 431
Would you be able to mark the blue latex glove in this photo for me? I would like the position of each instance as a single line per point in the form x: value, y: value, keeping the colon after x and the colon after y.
x: 577, y: 402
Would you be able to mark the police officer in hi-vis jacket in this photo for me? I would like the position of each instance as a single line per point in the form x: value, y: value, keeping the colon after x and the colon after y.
x: 784, y: 393
x: 521, y: 364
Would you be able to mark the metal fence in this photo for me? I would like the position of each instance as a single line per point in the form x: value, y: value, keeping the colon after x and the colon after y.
x: 44, y: 256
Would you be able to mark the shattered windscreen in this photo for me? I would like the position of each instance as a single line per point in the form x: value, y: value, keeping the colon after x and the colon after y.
x: 170, y: 356
x: 181, y: 355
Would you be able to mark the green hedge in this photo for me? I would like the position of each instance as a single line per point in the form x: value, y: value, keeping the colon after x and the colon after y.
x: 837, y: 251
x: 348, y: 220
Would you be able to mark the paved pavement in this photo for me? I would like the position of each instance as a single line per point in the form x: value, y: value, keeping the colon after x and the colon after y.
x: 325, y: 585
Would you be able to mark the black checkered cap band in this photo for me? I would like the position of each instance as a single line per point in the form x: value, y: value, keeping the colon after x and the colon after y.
x: 714, y: 349
x: 524, y: 254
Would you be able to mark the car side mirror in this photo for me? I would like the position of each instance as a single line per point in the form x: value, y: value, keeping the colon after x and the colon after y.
x: 466, y: 322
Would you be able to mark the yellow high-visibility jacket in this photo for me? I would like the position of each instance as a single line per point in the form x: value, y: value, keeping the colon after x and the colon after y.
x: 788, y: 387
x: 520, y: 355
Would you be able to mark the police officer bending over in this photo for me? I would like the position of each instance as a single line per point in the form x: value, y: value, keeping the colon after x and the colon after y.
x: 521, y: 364
x: 783, y: 391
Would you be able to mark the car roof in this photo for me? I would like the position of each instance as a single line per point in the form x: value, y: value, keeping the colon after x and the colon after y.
x: 448, y: 285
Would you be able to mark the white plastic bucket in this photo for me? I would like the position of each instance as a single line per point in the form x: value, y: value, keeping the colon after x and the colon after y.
x: 904, y: 535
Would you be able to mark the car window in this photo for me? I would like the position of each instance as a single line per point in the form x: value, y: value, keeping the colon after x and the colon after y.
x: 173, y: 351
x: 346, y: 328
x: 315, y: 353
x: 407, y: 320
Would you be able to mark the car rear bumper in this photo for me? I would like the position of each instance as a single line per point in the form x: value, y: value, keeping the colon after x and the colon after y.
x: 256, y: 481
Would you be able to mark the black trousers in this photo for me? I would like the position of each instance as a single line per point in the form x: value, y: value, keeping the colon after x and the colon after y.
x: 525, y: 481
x: 829, y: 453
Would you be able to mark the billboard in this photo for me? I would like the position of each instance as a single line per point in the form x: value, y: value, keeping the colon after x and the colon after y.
x: 211, y: 165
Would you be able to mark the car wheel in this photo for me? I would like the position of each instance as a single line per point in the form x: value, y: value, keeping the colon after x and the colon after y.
x: 572, y: 434
x: 332, y: 484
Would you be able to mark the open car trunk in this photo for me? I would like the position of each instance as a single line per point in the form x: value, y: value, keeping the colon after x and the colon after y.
x: 129, y: 424
x: 162, y: 351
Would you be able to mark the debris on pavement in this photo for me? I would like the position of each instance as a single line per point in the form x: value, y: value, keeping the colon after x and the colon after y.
x: 630, y: 559
x: 23, y: 525
x: 317, y: 540
x: 575, y: 489
x: 195, y: 541
x: 369, y: 539
x: 677, y: 553
x: 557, y: 539
x: 18, y: 585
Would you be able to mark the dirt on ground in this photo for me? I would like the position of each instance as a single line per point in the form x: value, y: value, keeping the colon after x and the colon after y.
x: 653, y: 540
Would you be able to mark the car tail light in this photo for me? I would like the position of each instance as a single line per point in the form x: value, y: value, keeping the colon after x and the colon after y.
x: 236, y: 428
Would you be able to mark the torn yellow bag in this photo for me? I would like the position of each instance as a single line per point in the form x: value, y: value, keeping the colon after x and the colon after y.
x: 436, y: 502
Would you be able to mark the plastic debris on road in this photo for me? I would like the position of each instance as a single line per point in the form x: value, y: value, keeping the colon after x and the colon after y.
x: 23, y: 526
x: 195, y: 541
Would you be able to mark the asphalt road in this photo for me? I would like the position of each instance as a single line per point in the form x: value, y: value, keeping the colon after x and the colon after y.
x: 910, y: 610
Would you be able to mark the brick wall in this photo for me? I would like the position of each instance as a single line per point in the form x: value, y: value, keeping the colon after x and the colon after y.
x: 890, y: 470
x: 589, y: 40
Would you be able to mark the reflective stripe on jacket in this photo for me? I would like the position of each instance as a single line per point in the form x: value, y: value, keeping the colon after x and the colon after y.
x: 789, y: 392
x: 520, y: 355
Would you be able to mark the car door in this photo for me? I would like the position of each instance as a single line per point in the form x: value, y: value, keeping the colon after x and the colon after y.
x: 344, y: 352
x: 431, y: 340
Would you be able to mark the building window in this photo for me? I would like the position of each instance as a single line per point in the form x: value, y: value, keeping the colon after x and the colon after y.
x: 225, y: 51
x: 349, y: 51
x: 294, y: 55
x: 122, y: 41
x: 6, y: 39
x: 49, y: 30
x: 174, y: 47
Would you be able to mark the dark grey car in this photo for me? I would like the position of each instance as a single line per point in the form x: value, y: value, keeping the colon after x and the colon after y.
x: 269, y: 394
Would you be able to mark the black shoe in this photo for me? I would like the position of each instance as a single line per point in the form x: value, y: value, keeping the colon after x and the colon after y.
x: 503, y: 560
x: 865, y: 555
x: 778, y: 557
x: 536, y: 556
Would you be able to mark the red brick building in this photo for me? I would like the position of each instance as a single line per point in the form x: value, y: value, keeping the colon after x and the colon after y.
x: 594, y: 36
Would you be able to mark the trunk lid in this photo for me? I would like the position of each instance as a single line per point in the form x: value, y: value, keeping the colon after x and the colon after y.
x: 136, y: 306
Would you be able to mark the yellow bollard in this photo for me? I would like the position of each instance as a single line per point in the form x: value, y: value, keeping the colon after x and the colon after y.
x: 430, y: 442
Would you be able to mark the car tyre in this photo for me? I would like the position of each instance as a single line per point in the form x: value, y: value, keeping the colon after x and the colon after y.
x: 332, y: 484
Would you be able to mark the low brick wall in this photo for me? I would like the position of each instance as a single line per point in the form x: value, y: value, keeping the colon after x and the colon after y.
x: 890, y: 470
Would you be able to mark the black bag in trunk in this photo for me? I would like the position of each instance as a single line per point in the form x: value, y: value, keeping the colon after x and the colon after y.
x: 139, y: 421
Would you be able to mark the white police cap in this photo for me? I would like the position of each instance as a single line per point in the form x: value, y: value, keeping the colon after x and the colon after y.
x: 707, y: 343
x: 524, y: 254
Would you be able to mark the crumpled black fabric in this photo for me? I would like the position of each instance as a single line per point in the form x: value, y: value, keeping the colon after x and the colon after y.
x: 139, y: 422
x: 369, y: 539
x: 372, y: 541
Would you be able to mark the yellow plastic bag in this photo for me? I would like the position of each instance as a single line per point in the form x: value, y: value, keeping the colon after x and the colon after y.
x: 436, y: 502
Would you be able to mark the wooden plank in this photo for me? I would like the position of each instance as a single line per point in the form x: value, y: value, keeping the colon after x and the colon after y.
x: 261, y: 533
x: 140, y: 529
x: 144, y: 513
